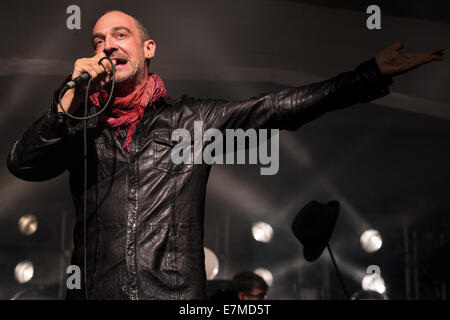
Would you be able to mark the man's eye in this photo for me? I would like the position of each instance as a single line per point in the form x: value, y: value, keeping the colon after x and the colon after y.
x: 121, y: 35
x: 97, y: 43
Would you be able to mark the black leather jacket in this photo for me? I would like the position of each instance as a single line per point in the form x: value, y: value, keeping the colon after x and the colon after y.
x: 145, y: 213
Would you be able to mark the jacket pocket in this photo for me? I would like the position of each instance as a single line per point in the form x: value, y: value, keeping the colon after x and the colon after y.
x: 105, y: 161
x: 163, y: 148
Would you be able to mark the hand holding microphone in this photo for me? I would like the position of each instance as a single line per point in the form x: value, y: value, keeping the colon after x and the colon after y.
x: 85, y: 69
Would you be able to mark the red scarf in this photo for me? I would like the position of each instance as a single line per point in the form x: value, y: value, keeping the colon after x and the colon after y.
x: 128, y: 111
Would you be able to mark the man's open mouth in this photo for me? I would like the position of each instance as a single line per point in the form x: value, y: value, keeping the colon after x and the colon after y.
x: 120, y: 62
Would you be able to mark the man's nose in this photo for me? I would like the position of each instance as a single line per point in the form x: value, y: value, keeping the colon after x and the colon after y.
x: 110, y: 46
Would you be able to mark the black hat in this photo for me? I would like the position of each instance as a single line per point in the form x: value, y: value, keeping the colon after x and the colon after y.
x: 313, y: 227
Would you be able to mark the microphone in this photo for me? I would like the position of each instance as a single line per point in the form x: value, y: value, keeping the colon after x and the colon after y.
x: 84, y: 77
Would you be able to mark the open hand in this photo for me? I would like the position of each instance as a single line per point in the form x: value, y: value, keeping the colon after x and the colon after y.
x: 391, y: 62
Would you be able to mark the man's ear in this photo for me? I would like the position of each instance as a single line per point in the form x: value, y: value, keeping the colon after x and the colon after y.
x: 149, y: 49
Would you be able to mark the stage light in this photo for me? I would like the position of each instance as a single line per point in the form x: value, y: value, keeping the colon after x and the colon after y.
x: 266, y: 275
x: 373, y: 282
x: 28, y: 224
x: 211, y: 264
x: 371, y: 240
x: 262, y: 232
x: 24, y: 271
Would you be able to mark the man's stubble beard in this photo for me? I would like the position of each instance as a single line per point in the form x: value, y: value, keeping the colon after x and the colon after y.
x: 131, y: 77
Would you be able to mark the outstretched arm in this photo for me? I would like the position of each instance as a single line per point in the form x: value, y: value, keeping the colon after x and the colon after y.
x: 292, y: 107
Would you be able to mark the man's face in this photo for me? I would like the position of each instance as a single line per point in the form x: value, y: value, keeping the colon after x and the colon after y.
x: 117, y: 35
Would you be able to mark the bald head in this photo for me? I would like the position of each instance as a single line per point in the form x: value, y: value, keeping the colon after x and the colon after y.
x: 124, y: 39
x: 143, y: 32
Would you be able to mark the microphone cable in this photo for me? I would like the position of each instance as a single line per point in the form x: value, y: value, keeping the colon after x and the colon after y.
x: 85, y: 118
x: 344, y: 288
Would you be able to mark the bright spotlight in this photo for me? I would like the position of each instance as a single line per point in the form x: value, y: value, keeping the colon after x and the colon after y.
x: 373, y: 282
x: 262, y: 232
x: 24, y: 271
x: 28, y: 224
x: 211, y: 264
x: 266, y: 275
x: 371, y: 240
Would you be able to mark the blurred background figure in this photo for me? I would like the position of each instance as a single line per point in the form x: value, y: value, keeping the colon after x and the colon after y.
x: 249, y: 286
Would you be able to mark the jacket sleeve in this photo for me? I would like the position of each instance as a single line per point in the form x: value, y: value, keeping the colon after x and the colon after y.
x: 40, y: 153
x: 43, y: 152
x: 292, y: 107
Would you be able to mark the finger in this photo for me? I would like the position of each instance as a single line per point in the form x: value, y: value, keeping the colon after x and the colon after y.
x: 79, y: 67
x: 100, y: 55
x: 434, y: 57
x: 106, y: 64
x: 99, y: 84
x: 438, y: 50
x: 104, y: 67
x: 90, y: 70
x: 397, y: 46
x: 99, y: 68
x: 416, y: 59
x: 437, y: 58
x: 105, y: 81
x: 98, y: 59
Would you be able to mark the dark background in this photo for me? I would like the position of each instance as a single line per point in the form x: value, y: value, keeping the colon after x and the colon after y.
x: 387, y: 162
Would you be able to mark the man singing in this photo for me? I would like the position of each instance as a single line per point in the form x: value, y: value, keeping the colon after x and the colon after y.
x: 144, y: 221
